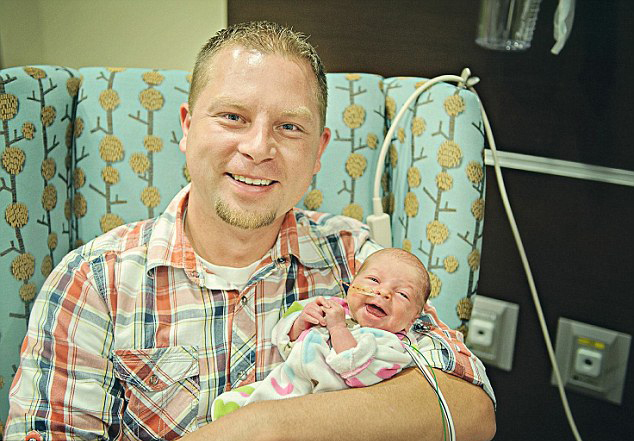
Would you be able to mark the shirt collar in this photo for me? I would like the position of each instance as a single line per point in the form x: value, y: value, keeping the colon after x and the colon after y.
x: 168, y: 244
x: 299, y: 236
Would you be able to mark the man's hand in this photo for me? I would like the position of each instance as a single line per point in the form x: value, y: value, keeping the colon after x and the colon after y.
x: 311, y: 315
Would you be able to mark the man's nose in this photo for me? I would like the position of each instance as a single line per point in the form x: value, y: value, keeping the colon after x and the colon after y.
x: 259, y: 144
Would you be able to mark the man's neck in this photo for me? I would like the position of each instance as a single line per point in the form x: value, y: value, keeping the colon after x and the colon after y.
x: 222, y: 244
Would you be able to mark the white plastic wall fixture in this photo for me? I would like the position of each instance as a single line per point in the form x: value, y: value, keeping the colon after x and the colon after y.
x: 492, y: 329
x: 592, y: 360
x: 481, y: 332
x: 588, y: 362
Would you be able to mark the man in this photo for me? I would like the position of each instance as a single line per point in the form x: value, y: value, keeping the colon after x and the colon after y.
x: 135, y: 334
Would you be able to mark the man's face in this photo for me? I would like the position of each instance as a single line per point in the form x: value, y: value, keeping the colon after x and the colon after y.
x: 253, y: 139
x: 397, y: 289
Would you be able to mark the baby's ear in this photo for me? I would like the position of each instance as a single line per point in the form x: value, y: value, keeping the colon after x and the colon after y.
x: 412, y: 321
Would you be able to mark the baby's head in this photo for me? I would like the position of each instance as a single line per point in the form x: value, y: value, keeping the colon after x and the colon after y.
x: 389, y: 290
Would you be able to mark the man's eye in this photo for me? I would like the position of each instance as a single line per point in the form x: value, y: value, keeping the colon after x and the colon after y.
x: 404, y: 294
x: 232, y: 117
x: 289, y: 126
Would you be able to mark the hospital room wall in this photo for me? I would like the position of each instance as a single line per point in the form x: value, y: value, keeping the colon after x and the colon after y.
x: 77, y: 33
x: 575, y: 106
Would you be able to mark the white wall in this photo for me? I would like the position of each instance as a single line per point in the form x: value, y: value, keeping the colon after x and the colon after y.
x: 125, y: 33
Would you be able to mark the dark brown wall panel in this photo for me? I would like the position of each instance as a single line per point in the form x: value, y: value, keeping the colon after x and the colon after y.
x: 576, y: 106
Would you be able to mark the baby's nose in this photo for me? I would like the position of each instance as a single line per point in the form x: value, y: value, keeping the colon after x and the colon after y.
x: 385, y: 291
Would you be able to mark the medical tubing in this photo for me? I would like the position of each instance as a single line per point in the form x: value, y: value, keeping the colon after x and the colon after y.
x: 527, y: 269
x: 378, y: 209
x: 377, y: 205
x: 447, y: 420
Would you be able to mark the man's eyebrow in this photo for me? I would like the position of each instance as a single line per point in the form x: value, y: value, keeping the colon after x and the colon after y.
x: 224, y: 101
x: 302, y: 112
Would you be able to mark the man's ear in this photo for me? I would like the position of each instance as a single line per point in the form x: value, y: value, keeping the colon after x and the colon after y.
x: 323, y: 142
x: 186, y: 119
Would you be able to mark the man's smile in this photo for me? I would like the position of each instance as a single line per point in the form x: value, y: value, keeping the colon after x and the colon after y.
x: 251, y: 181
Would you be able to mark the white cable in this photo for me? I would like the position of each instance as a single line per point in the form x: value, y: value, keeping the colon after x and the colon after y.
x: 527, y: 270
x: 379, y: 222
x: 377, y: 206
x: 444, y: 407
x: 468, y: 81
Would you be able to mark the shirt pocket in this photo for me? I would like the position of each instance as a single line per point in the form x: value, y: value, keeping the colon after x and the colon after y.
x: 162, y: 389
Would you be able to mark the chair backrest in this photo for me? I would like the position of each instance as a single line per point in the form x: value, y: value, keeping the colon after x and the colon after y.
x: 433, y: 185
x: 84, y: 151
x: 36, y: 114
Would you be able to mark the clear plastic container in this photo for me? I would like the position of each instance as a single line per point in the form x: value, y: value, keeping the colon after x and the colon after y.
x: 507, y: 25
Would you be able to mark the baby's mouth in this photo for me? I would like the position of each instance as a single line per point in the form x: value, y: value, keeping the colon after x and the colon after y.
x: 375, y: 310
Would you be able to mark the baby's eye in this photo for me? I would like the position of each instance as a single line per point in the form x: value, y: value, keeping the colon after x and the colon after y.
x: 373, y: 279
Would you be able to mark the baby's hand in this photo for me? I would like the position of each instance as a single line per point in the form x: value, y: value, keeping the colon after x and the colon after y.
x: 334, y: 314
x: 311, y: 315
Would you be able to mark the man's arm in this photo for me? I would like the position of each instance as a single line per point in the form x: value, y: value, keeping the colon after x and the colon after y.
x: 403, y: 408
x: 65, y: 387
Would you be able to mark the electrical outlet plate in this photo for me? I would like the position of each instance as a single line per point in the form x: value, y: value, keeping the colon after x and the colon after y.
x: 592, y: 360
x: 492, y: 329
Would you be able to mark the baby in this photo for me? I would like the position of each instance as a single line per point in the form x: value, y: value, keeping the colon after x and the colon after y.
x: 333, y: 343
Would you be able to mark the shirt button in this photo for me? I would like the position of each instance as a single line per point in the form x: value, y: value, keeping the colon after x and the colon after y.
x: 244, y: 300
x: 33, y: 435
x: 281, y: 260
x: 242, y: 375
x: 154, y: 380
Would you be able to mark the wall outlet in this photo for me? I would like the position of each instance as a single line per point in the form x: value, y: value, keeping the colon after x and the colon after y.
x: 588, y: 362
x: 492, y: 329
x: 592, y: 360
x: 482, y: 331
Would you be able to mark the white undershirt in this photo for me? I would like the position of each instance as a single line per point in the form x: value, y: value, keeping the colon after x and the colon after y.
x: 227, y: 277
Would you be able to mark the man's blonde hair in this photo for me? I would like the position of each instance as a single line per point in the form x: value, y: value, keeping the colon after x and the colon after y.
x: 269, y: 38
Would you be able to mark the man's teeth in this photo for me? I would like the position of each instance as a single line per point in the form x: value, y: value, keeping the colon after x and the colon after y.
x: 252, y: 181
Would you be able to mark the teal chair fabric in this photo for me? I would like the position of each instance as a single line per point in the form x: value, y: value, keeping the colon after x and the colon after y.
x: 433, y: 184
x: 355, y: 117
x: 36, y: 113
x: 438, y: 190
x: 85, y: 151
x: 127, y: 157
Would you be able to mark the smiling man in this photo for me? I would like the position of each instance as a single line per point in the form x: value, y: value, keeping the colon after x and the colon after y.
x: 253, y: 136
x: 135, y: 333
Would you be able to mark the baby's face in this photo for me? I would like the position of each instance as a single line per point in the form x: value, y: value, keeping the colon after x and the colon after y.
x: 386, y: 294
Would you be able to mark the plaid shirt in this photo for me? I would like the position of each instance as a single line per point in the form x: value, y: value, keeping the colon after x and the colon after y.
x: 125, y: 341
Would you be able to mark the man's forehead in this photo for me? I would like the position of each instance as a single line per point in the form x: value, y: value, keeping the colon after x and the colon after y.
x: 252, y: 56
x: 218, y: 72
